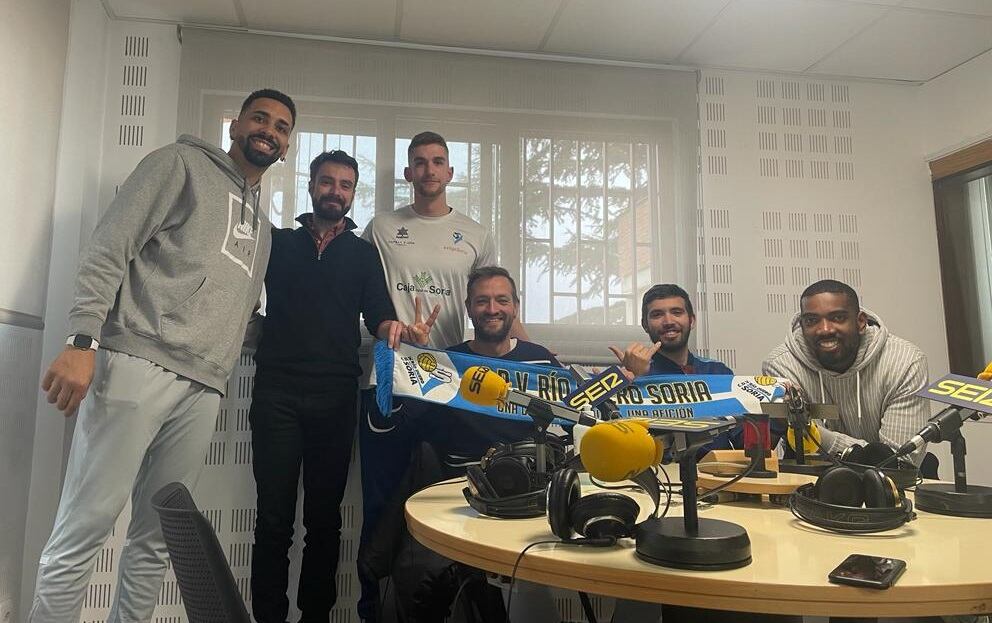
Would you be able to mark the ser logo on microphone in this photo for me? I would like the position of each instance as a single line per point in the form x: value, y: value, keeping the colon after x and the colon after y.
x: 598, y: 389
x: 475, y: 381
x: 961, y: 391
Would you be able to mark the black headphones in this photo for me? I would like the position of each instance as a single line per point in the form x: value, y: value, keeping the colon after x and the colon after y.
x: 853, y: 496
x: 506, y: 483
x: 600, y: 518
x: 903, y: 473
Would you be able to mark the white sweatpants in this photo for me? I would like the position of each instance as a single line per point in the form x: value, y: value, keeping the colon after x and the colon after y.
x: 140, y: 428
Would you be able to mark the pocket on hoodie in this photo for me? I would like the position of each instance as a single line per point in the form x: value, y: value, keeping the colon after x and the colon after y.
x: 204, y: 324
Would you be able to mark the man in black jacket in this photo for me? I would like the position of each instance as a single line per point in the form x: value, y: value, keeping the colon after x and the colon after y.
x: 320, y: 278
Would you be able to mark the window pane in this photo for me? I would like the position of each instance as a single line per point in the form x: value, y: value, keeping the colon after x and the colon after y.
x: 601, y: 245
x: 565, y: 308
x: 591, y: 217
x: 303, y: 204
x: 399, y: 160
x: 591, y: 165
x: 537, y: 159
x: 535, y: 207
x: 618, y: 165
x: 591, y: 282
x: 458, y: 198
x: 537, y: 282
x: 458, y: 159
x: 402, y: 194
x: 363, y: 209
x: 621, y: 312
x: 642, y: 196
x: 565, y: 162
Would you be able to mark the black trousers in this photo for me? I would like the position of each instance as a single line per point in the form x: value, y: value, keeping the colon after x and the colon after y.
x: 291, y: 427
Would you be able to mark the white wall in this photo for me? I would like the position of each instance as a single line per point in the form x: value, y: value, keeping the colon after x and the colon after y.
x: 32, y: 65
x: 810, y: 179
x: 954, y: 108
x: 32, y: 49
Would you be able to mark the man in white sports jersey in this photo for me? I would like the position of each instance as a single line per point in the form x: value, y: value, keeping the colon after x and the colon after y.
x: 428, y: 251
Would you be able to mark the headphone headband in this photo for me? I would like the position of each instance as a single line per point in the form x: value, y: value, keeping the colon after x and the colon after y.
x: 523, y: 506
x: 849, y: 519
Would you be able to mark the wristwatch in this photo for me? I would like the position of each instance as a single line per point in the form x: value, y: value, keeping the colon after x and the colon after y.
x: 82, y: 342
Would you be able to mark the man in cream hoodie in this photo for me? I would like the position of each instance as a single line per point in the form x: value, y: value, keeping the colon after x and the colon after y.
x: 163, y: 295
x: 842, y: 354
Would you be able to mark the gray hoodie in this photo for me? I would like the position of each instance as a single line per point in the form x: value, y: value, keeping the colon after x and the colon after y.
x: 875, y: 395
x: 176, y: 264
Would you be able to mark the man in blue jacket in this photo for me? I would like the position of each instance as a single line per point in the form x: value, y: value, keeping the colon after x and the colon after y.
x: 668, y: 319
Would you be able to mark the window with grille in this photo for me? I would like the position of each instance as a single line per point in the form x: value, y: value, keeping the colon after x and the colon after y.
x: 576, y: 215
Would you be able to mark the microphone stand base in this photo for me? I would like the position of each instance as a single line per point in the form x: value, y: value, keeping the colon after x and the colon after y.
x: 942, y: 499
x: 716, y: 546
x: 812, y: 467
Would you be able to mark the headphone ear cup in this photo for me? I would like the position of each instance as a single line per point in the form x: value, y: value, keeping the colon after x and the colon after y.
x: 880, y: 491
x: 604, y: 515
x: 563, y: 493
x: 873, y: 453
x: 840, y: 486
x: 478, y: 482
x: 509, y: 475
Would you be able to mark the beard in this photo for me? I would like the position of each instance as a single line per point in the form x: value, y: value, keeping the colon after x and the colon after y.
x: 485, y: 333
x: 840, y: 359
x: 330, y: 207
x: 254, y: 156
x: 671, y: 346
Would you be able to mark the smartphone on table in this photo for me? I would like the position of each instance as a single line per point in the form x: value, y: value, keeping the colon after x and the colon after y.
x: 868, y: 571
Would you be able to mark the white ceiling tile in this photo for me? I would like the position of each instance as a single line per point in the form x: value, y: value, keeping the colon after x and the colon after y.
x: 365, y: 19
x: 649, y: 30
x: 220, y: 12
x: 506, y: 24
x: 968, y: 7
x: 786, y: 35
x: 909, y: 45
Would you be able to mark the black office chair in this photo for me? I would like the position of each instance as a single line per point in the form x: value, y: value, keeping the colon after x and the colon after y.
x: 205, y: 580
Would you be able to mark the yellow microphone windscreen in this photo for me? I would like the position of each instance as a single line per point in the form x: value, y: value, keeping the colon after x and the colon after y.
x: 483, y: 387
x: 618, y: 450
x: 986, y: 374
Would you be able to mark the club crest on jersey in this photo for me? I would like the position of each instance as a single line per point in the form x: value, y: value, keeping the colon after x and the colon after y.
x: 456, y: 236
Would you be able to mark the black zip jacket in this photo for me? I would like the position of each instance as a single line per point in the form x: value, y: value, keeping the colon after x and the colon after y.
x: 313, y: 302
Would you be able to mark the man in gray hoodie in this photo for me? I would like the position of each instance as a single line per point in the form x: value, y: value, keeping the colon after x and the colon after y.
x: 842, y: 354
x: 163, y: 295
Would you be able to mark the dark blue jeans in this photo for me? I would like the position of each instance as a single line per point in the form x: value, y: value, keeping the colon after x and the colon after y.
x: 294, y: 427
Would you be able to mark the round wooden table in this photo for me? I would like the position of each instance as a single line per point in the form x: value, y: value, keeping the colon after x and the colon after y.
x: 949, y: 560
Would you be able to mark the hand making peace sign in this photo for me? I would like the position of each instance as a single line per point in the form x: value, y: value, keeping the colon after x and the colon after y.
x: 418, y: 331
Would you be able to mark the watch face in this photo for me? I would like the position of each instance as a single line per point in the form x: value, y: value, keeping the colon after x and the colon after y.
x: 82, y: 341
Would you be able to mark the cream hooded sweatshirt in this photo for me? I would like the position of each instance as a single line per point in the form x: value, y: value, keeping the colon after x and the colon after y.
x: 876, y: 395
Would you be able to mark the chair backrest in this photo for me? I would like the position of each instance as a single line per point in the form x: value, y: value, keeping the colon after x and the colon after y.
x: 206, y: 584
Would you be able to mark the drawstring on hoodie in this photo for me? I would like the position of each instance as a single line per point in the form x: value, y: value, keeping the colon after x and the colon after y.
x: 857, y: 390
x: 245, y: 191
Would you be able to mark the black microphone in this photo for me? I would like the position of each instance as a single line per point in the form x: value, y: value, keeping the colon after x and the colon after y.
x: 939, y: 428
